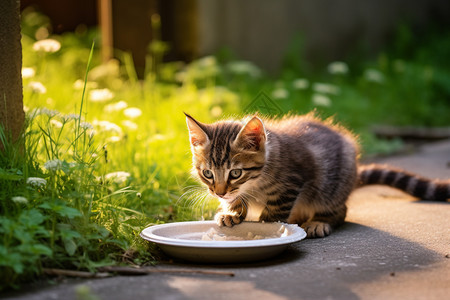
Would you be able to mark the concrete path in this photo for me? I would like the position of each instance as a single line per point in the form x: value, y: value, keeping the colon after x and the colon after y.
x: 392, y: 247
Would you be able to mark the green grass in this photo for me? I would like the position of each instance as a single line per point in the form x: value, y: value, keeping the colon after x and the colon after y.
x: 108, y: 171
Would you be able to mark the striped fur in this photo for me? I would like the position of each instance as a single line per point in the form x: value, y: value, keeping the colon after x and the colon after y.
x: 297, y: 170
x: 413, y: 184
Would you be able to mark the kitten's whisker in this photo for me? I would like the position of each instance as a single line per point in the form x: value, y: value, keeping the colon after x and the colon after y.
x: 191, y: 197
x: 189, y: 194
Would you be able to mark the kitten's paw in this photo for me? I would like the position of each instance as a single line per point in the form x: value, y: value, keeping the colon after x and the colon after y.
x: 228, y: 220
x: 316, y: 229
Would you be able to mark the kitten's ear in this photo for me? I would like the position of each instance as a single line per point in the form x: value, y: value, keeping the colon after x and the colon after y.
x: 197, y: 135
x: 252, y: 136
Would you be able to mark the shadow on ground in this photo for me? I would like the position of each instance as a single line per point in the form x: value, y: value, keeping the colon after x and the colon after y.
x: 355, y: 254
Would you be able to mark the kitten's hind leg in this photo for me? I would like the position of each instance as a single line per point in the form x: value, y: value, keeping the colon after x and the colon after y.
x: 321, y: 224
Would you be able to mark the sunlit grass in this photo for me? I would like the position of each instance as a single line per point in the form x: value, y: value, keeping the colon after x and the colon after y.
x: 105, y: 154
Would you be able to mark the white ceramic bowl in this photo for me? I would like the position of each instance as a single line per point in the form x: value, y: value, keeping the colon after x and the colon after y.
x: 184, y: 240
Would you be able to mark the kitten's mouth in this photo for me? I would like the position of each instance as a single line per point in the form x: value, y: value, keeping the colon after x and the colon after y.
x: 227, y: 198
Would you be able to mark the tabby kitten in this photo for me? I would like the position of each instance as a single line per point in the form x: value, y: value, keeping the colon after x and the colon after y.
x: 296, y: 170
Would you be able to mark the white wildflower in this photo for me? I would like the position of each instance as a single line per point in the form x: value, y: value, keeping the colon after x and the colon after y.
x: 37, y: 87
x: 101, y: 95
x: 20, y: 200
x: 113, y: 139
x: 69, y: 117
x: 53, y: 165
x: 132, y: 112
x: 117, y: 106
x: 107, y: 126
x: 244, y: 67
x: 280, y: 93
x: 47, y: 45
x: 28, y: 72
x: 157, y: 137
x: 56, y: 123
x: 79, y: 84
x: 118, y: 177
x: 36, y: 181
x: 338, y: 67
x: 86, y: 125
x: 106, y: 70
x: 374, y: 76
x: 207, y: 61
x: 321, y: 100
x: 300, y: 84
x: 326, y: 88
x: 130, y: 124
x: 49, y: 112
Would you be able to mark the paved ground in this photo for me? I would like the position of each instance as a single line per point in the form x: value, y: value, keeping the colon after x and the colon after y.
x: 392, y: 247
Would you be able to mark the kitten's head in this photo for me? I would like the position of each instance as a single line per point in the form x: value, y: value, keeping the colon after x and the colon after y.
x: 228, y: 156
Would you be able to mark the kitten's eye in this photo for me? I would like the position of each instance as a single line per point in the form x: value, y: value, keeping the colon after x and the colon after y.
x: 208, y: 174
x: 236, y: 173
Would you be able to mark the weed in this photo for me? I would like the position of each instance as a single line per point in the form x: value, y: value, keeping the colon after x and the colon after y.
x: 89, y: 175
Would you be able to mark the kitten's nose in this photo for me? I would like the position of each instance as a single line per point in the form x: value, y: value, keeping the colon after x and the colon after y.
x: 220, y: 190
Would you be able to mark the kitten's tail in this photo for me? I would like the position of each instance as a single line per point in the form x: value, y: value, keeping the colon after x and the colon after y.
x: 415, y: 185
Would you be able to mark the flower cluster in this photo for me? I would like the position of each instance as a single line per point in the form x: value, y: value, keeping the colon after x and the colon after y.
x: 53, y: 165
x: 37, y: 87
x: 374, y: 76
x: 244, y: 67
x: 43, y: 111
x: 100, y: 95
x: 321, y: 100
x: 132, y: 112
x: 280, y: 93
x: 36, y: 182
x: 326, y: 88
x: 300, y: 84
x: 338, y: 68
x: 69, y: 117
x: 86, y: 125
x: 117, y: 177
x: 117, y: 106
x: 20, y: 200
x: 47, y: 45
x: 28, y: 73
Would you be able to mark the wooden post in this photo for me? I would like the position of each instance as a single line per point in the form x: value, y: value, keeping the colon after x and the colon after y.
x: 106, y: 28
x: 12, y: 116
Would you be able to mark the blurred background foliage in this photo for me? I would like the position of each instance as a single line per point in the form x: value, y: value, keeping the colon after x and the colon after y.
x: 107, y: 152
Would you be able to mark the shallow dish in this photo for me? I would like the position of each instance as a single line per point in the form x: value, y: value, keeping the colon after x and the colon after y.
x: 184, y: 240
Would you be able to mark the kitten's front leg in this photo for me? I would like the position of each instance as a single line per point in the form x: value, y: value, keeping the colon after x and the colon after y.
x: 230, y: 215
x: 227, y: 219
x: 322, y: 224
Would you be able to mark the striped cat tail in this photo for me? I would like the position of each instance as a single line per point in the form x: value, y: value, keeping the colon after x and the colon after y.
x: 415, y: 185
